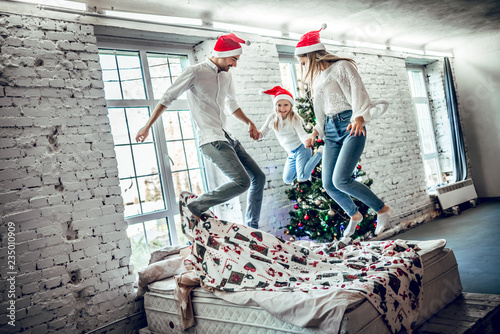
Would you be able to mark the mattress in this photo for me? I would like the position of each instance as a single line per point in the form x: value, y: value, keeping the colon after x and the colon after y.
x: 441, y: 285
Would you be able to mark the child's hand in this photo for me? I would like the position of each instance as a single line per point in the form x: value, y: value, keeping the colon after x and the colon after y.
x: 310, y: 141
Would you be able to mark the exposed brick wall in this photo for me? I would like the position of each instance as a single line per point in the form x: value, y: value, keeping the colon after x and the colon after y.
x: 59, y: 181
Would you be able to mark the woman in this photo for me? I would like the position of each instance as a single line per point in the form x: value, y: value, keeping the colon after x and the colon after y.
x: 342, y: 108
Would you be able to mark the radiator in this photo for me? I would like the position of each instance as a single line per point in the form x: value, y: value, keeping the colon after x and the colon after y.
x: 456, y: 193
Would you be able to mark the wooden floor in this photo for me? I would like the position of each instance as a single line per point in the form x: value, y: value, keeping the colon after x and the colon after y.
x: 470, y: 313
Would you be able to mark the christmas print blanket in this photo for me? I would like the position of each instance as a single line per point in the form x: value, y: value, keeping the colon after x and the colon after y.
x: 232, y: 258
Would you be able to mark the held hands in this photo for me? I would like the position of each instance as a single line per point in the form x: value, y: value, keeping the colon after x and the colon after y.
x: 142, y: 134
x: 310, y: 141
x: 253, y: 132
x: 356, y: 127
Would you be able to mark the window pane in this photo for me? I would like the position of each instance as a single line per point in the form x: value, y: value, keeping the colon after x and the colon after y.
x: 151, y: 193
x: 164, y: 70
x: 145, y: 159
x: 196, y: 181
x: 157, y: 233
x: 192, y: 154
x: 160, y: 74
x: 176, y: 153
x: 425, y: 128
x: 183, y: 240
x: 131, y: 76
x: 417, y: 83
x: 431, y: 172
x: 137, y: 118
x: 130, y: 195
x: 118, y: 125
x: 171, y: 125
x: 181, y: 182
x: 112, y: 90
x: 125, y: 161
x: 140, y: 255
x: 186, y: 124
x: 286, y: 77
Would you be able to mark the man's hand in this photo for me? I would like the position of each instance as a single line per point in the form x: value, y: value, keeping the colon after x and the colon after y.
x: 253, y: 132
x: 142, y: 134
x: 356, y: 127
x: 259, y: 136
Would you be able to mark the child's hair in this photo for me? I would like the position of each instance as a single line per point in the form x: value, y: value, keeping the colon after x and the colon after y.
x: 292, y: 115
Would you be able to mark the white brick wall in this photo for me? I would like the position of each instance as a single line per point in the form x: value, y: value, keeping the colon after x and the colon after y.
x: 59, y: 181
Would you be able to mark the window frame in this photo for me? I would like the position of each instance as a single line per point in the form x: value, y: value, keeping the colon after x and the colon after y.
x: 292, y: 61
x: 171, y: 209
x: 424, y: 100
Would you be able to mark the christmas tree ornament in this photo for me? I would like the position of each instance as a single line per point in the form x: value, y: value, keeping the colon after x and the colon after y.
x: 318, y: 202
x: 296, y: 206
x: 292, y: 239
x: 331, y: 213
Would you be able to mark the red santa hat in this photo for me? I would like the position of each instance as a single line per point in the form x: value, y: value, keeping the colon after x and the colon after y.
x: 279, y: 93
x: 310, y: 42
x: 228, y: 46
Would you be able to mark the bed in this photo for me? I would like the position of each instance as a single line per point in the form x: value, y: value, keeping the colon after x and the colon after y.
x: 229, y: 310
x: 441, y: 285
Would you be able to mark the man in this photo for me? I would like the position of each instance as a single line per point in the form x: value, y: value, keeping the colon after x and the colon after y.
x: 210, y: 94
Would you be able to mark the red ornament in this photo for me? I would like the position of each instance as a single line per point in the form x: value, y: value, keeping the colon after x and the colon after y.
x: 319, y: 140
x: 359, y: 166
x: 357, y: 227
x: 296, y: 206
x: 300, y: 224
x: 306, y: 217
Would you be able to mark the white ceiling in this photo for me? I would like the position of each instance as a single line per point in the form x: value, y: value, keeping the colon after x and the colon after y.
x: 439, y: 25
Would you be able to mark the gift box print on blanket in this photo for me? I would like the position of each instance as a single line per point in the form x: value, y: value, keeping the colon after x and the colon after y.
x: 233, y: 257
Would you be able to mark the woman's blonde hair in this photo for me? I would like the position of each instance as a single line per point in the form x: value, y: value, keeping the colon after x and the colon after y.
x: 317, y: 60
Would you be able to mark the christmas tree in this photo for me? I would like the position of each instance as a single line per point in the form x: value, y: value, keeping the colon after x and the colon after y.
x: 315, y: 215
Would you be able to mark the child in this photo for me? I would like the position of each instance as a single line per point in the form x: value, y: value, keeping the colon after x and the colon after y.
x: 287, y: 126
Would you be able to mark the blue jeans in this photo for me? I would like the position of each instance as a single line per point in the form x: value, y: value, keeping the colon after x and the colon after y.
x: 244, y: 174
x: 299, y: 164
x: 341, y: 155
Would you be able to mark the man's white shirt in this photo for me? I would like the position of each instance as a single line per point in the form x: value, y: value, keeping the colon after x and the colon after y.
x: 211, y: 97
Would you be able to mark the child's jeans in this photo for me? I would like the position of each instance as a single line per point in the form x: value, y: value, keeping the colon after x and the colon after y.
x: 299, y: 164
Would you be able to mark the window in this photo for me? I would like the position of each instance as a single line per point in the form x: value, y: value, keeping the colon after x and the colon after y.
x: 427, y: 137
x: 290, y: 75
x: 153, y: 173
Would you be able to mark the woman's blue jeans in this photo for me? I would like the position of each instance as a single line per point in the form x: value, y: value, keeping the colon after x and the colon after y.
x: 340, y: 158
x: 299, y: 164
